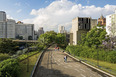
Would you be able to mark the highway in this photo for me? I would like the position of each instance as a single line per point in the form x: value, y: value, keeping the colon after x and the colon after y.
x: 52, y: 65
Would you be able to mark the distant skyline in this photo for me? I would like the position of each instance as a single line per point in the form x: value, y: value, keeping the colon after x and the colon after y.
x: 51, y: 13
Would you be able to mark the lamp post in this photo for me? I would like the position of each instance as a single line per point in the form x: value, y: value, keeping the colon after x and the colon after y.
x: 97, y: 56
x: 27, y: 60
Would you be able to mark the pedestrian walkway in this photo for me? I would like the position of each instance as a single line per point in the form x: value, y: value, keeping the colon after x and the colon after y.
x: 53, y: 65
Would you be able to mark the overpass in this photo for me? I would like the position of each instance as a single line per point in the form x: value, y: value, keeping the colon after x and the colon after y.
x: 28, y: 41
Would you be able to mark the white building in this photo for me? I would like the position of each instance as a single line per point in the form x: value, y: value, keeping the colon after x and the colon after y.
x: 10, y: 29
x: 3, y: 24
x: 61, y: 29
x: 2, y: 16
x: 25, y: 31
x: 111, y: 24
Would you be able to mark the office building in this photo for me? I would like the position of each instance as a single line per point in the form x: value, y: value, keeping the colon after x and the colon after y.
x: 80, y: 25
x: 61, y: 29
x: 40, y: 31
x: 10, y: 29
x: 24, y: 31
x: 3, y: 25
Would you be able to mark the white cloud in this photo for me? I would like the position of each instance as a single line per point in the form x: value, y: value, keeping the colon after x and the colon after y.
x: 61, y: 12
x: 18, y: 11
x: 9, y: 17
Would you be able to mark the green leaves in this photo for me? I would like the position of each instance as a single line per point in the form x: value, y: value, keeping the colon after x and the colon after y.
x: 94, y: 37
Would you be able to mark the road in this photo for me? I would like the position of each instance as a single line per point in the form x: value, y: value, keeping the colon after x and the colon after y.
x: 53, y: 65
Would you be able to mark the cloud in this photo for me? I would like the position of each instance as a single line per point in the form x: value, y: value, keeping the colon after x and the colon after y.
x: 17, y: 4
x: 61, y: 12
x: 18, y: 11
x: 9, y: 17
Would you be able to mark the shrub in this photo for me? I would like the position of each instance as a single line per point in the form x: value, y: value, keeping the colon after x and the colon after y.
x: 4, y: 56
x: 9, y: 68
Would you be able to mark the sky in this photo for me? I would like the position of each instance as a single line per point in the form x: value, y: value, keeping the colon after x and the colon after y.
x: 50, y: 14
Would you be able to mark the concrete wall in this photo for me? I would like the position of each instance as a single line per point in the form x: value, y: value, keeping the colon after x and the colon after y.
x: 2, y: 16
x: 74, y: 30
x: 25, y: 30
x: 93, y: 23
x: 3, y: 29
x: 10, y: 28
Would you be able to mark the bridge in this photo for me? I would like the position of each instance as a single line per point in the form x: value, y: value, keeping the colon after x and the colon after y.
x: 29, y: 41
x: 52, y: 65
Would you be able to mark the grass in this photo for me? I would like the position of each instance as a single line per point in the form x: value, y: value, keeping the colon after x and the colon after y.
x: 23, y: 64
x: 107, y: 65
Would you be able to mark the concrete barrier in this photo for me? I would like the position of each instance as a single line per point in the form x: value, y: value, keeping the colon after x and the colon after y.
x: 101, y: 71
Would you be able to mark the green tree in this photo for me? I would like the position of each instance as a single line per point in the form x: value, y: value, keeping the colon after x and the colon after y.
x: 95, y: 37
x: 7, y: 46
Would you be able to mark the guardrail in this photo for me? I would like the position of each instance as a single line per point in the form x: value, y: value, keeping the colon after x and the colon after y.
x: 37, y: 62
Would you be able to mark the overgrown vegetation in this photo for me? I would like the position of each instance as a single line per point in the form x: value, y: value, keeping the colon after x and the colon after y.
x: 91, y: 46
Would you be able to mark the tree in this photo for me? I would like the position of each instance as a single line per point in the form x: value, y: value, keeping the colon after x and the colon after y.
x: 60, y: 39
x: 7, y: 46
x: 94, y: 37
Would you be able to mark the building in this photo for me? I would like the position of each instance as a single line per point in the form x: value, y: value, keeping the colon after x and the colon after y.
x: 10, y: 29
x: 111, y: 24
x: 2, y: 16
x: 24, y: 31
x: 61, y: 29
x: 40, y: 31
x: 3, y: 25
x: 80, y: 25
x: 102, y: 21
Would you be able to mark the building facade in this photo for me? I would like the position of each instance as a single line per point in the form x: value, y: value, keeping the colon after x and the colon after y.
x: 102, y: 21
x: 10, y: 29
x: 111, y: 24
x: 80, y: 26
x: 40, y: 31
x: 61, y: 29
x: 3, y: 26
x: 24, y: 31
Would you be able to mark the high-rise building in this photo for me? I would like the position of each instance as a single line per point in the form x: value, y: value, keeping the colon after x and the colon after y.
x: 111, y: 24
x: 10, y: 29
x: 24, y: 31
x: 3, y: 25
x: 2, y: 16
x: 40, y: 31
x: 80, y: 25
x: 102, y: 21
x: 61, y: 29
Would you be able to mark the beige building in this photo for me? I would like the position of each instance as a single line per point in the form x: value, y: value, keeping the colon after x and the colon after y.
x: 102, y: 21
x: 80, y: 25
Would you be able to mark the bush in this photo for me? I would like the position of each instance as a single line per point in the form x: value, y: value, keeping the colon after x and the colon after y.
x: 111, y: 57
x: 9, y: 68
x: 87, y: 52
x: 4, y: 56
